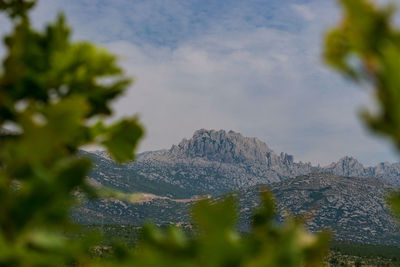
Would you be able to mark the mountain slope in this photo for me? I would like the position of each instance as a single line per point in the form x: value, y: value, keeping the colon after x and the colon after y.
x: 217, y: 162
x: 211, y: 162
x: 353, y: 208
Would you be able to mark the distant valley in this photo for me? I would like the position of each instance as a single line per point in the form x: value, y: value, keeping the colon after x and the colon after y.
x: 344, y: 196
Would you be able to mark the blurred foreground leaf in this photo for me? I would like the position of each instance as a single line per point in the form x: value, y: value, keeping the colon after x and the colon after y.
x: 218, y: 243
x: 51, y: 91
x: 365, y: 47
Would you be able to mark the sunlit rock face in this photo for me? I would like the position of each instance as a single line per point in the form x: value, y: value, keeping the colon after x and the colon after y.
x: 216, y: 162
x: 221, y: 146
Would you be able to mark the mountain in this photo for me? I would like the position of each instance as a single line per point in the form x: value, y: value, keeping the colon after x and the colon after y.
x: 349, y: 166
x: 217, y: 162
x: 211, y: 162
x: 344, y: 196
x: 352, y: 208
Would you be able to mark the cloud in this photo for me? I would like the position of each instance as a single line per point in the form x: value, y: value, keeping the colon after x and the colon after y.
x: 303, y: 11
x: 258, y: 83
x: 249, y: 66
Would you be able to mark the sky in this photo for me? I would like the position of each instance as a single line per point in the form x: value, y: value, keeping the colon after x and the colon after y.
x: 250, y: 66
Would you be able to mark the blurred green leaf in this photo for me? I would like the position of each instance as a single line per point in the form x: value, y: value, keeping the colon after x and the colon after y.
x: 368, y: 35
x: 16, y: 8
x: 122, y: 138
x: 51, y: 90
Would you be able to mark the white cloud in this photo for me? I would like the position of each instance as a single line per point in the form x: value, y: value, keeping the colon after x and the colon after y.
x: 253, y: 68
x: 262, y: 83
x: 304, y: 11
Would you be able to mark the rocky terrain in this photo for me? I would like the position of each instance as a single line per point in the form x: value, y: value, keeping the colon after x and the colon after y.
x: 350, y: 167
x: 353, y: 209
x: 217, y: 162
x: 344, y: 196
x: 211, y: 162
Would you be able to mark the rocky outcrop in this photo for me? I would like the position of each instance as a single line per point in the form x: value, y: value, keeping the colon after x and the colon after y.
x: 232, y: 147
x: 217, y: 162
x: 221, y: 146
x: 349, y: 166
x: 388, y: 171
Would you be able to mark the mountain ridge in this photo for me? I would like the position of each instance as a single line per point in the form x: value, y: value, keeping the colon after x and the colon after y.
x: 344, y: 196
x: 236, y: 162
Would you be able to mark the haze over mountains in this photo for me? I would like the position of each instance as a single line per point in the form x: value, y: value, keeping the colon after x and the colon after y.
x: 344, y: 196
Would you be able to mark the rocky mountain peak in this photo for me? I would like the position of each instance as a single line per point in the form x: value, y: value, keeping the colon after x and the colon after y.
x: 346, y: 166
x: 222, y: 146
x: 349, y: 162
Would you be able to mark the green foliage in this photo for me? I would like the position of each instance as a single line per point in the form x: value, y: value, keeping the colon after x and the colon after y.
x: 365, y: 47
x: 16, y: 8
x: 52, y: 92
x: 216, y: 241
x: 365, y: 250
x: 394, y: 200
x: 53, y: 95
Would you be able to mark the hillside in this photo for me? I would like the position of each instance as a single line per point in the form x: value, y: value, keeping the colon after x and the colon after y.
x: 344, y: 196
x: 218, y: 162
x: 353, y: 208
